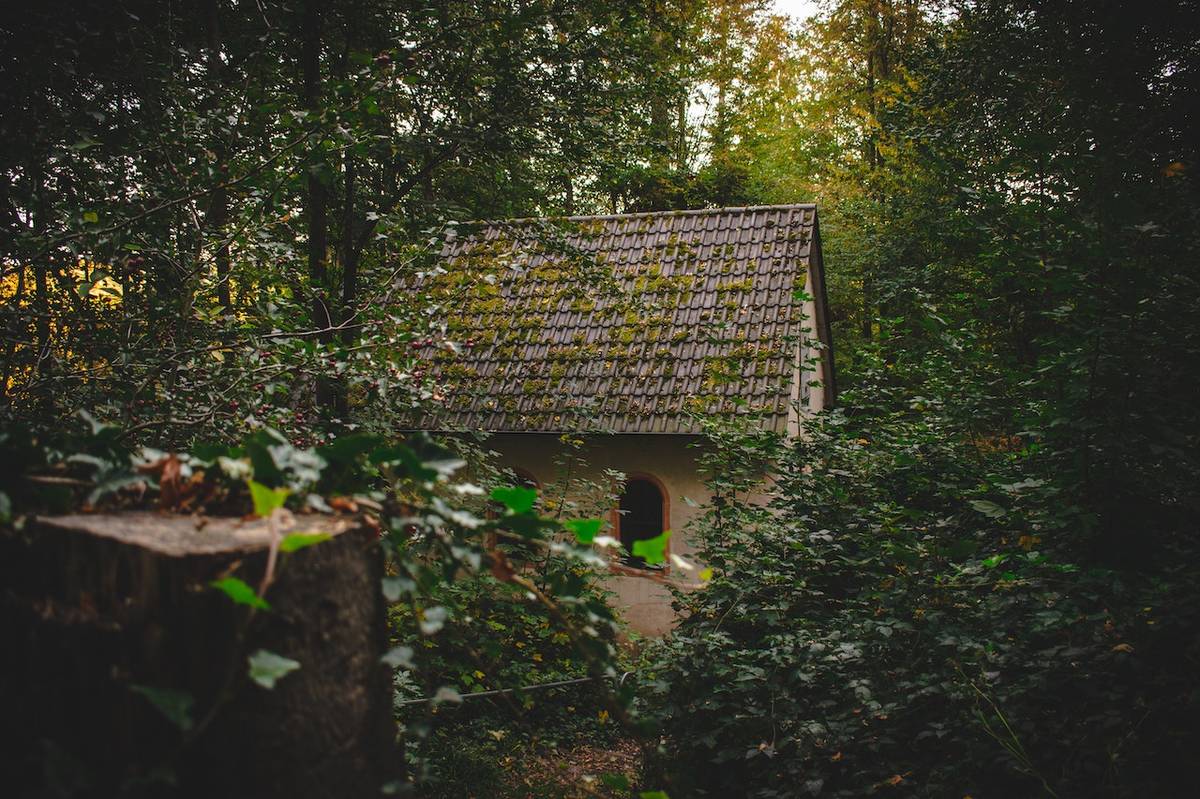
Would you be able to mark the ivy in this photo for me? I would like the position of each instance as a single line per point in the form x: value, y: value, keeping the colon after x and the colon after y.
x: 268, y: 668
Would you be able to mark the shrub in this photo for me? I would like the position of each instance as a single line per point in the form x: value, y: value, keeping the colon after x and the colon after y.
x: 924, y: 613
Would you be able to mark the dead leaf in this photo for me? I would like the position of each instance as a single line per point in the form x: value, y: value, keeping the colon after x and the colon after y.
x: 168, y: 473
x: 343, y: 504
x: 501, y: 569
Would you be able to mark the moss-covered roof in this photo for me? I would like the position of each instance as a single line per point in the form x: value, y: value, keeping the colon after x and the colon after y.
x: 627, y: 322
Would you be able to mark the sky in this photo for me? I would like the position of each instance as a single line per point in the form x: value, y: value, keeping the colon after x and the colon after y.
x: 796, y: 9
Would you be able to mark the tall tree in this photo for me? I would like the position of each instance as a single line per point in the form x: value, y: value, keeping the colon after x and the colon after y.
x: 238, y: 171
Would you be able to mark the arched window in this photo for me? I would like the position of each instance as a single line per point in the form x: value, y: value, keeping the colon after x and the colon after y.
x: 526, y: 479
x: 642, y: 514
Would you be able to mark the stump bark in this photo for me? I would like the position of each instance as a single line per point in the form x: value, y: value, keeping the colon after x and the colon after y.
x: 98, y: 610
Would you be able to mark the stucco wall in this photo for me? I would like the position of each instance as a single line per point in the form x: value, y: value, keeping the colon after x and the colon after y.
x: 644, y: 601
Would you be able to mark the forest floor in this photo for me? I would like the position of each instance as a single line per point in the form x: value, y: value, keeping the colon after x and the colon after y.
x: 573, y: 773
x: 564, y: 755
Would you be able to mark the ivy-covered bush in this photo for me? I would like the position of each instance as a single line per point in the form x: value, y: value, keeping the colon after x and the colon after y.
x: 492, y: 645
x: 495, y: 637
x: 468, y: 614
x: 920, y: 612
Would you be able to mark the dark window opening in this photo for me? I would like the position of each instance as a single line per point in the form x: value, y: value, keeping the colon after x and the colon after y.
x: 526, y: 480
x: 641, y: 517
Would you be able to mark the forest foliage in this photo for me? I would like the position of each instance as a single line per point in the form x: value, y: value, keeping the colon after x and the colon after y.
x: 975, y: 575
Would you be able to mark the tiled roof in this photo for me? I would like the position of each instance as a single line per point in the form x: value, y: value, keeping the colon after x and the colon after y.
x: 628, y: 323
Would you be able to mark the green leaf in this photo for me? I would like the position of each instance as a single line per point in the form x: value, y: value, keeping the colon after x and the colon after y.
x: 989, y: 509
x: 433, y: 619
x: 444, y: 467
x: 113, y: 484
x: 961, y: 548
x: 526, y: 525
x: 91, y: 217
x: 175, y: 705
x: 516, y: 499
x: 585, y: 530
x: 267, y: 668
x: 403, y: 461
x: 298, y: 541
x: 266, y: 500
x: 237, y: 590
x: 269, y: 452
x: 400, y: 657
x: 394, y: 587
x: 652, y: 549
x: 447, y: 694
x: 654, y: 795
x: 617, y: 781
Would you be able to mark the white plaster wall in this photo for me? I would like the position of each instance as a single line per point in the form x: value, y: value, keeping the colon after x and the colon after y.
x: 644, y: 600
x: 808, y: 352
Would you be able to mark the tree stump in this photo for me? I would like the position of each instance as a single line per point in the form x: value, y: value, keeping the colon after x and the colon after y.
x: 97, y: 611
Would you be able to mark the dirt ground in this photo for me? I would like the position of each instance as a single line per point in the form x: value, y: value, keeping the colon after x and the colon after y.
x: 576, y: 773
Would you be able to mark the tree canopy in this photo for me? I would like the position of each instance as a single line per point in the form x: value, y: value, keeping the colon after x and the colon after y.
x: 974, y: 575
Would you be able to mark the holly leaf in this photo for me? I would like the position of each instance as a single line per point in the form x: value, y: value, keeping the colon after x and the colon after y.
x: 516, y: 499
x: 652, y: 550
x: 298, y: 541
x: 266, y: 500
x: 267, y: 668
x: 176, y: 706
x: 585, y: 530
x: 237, y: 590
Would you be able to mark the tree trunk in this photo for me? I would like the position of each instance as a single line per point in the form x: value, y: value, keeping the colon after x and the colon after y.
x: 218, y: 214
x: 316, y: 202
x: 100, y: 609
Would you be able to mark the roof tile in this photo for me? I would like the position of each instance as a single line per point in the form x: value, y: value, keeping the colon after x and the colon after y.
x: 642, y: 317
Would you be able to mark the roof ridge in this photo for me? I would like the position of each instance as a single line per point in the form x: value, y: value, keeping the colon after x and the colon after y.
x: 636, y: 214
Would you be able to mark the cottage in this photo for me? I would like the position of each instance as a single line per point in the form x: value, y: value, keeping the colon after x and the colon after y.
x: 622, y: 330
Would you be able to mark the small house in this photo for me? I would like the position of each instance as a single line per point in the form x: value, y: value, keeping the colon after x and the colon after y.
x: 624, y: 331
